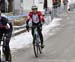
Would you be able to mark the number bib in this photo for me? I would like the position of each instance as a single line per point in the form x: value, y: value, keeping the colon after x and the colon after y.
x: 35, y: 18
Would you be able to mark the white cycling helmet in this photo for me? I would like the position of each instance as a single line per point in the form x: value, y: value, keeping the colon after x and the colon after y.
x: 34, y: 7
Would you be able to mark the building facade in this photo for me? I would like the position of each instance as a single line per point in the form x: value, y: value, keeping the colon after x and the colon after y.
x: 26, y: 4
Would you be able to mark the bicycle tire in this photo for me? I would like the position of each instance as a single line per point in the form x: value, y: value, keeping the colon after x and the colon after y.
x: 37, y: 45
x: 8, y: 54
x: 9, y: 59
x: 6, y: 51
x: 40, y: 50
x: 35, y: 50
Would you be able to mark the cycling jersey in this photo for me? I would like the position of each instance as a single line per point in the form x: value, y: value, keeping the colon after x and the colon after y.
x: 36, y: 21
x: 35, y: 18
x: 38, y: 17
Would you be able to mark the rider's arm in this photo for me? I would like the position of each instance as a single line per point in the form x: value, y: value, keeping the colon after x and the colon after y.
x: 41, y: 17
x: 7, y: 26
x: 28, y: 19
x: 6, y: 23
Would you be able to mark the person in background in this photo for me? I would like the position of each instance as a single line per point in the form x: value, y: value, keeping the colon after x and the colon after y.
x: 65, y: 2
x: 54, y: 9
x: 5, y: 29
x: 59, y: 7
x: 45, y: 7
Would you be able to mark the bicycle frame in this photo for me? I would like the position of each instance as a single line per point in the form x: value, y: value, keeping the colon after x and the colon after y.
x: 37, y: 40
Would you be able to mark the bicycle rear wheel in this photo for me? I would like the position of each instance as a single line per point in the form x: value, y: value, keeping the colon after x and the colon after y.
x: 7, y: 54
x: 10, y: 58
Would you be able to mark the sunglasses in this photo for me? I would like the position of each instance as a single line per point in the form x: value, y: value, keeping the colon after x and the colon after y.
x: 34, y: 9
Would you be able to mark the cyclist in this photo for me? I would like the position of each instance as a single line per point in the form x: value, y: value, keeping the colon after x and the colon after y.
x: 6, y: 29
x: 37, y: 20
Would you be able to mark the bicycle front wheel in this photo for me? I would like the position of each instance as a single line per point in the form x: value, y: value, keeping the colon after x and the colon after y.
x: 36, y: 50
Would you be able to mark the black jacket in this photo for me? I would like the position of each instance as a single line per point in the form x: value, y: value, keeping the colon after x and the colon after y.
x: 3, y: 22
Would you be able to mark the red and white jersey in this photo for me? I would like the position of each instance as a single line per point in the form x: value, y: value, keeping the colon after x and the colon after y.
x: 36, y: 17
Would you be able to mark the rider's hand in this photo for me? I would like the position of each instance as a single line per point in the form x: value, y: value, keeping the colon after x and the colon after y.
x: 7, y: 26
x: 27, y: 27
x: 42, y: 22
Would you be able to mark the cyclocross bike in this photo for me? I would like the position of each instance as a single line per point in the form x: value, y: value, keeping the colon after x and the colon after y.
x: 3, y: 51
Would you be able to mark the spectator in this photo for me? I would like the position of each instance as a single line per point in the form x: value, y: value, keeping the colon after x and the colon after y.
x: 45, y: 6
x: 54, y: 10
x: 59, y: 6
x: 65, y: 2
